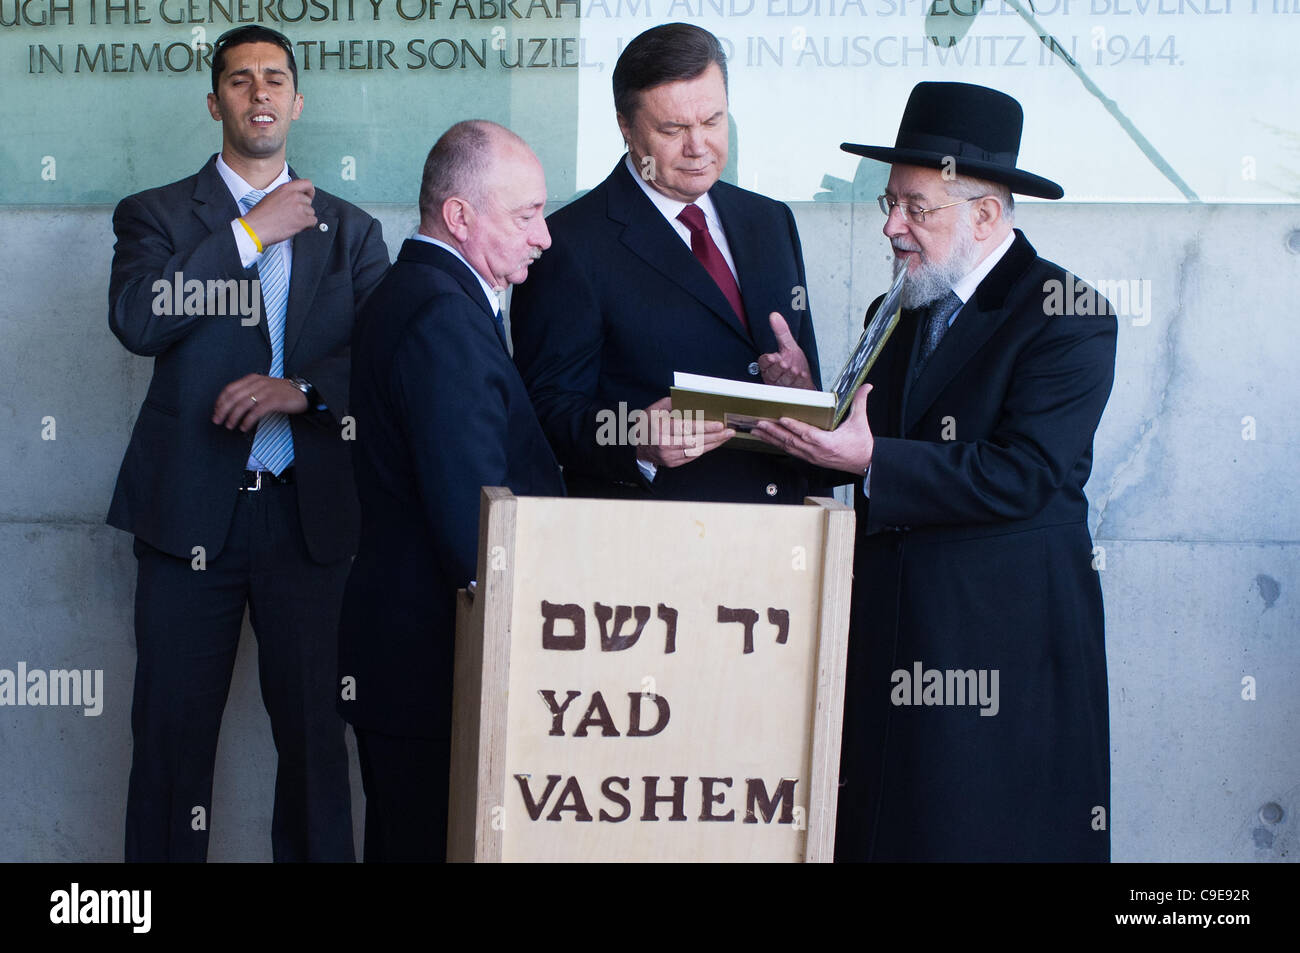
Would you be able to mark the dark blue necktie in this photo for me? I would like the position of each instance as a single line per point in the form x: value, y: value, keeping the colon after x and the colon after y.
x: 936, y: 318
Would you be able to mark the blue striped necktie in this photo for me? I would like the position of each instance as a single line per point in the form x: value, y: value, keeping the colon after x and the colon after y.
x: 273, y: 442
x: 936, y: 317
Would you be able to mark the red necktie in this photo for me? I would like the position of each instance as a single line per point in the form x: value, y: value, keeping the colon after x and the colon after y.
x: 706, y: 250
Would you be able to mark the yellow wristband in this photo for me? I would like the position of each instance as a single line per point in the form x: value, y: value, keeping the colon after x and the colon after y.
x: 252, y: 234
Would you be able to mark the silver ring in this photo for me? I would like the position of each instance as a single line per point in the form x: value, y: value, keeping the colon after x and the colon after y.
x: 252, y: 398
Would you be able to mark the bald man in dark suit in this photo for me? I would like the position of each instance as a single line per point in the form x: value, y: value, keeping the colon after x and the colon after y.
x: 441, y: 413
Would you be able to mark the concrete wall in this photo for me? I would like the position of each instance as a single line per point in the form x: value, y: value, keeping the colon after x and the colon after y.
x: 1200, y: 526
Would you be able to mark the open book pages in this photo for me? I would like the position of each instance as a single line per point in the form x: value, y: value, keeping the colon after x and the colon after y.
x: 725, y: 387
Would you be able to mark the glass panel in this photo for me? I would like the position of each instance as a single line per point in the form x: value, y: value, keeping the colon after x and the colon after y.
x: 1125, y: 100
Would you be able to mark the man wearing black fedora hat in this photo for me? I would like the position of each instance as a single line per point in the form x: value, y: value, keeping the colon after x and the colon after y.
x: 976, y: 717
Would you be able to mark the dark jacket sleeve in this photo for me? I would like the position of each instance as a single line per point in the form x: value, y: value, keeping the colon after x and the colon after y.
x: 454, y: 405
x: 146, y: 253
x: 557, y: 328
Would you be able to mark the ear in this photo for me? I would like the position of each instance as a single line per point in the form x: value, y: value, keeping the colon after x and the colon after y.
x: 457, y: 218
x: 297, y: 106
x: 624, y: 127
x: 214, y: 106
x: 987, y: 214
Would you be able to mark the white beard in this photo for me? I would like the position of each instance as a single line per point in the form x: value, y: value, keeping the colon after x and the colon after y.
x: 934, y: 279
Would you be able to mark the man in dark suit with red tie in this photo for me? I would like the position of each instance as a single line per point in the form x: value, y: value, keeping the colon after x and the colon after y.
x: 975, y: 708
x: 441, y: 413
x: 242, y: 283
x: 663, y: 268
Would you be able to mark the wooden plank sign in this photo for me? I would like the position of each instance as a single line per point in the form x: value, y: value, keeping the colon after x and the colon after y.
x: 652, y: 681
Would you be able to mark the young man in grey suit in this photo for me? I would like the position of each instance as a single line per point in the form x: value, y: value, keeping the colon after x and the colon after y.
x: 241, y: 282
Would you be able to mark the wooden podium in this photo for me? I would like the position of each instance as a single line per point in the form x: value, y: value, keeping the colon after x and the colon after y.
x: 650, y: 681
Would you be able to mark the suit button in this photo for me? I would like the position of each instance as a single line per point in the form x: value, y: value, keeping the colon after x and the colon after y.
x: 771, y: 489
x: 753, y: 368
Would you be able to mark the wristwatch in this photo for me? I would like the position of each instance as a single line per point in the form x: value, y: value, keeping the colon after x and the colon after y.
x: 308, y: 391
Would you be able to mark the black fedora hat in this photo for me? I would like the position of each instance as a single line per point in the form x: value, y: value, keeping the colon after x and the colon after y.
x: 974, y: 128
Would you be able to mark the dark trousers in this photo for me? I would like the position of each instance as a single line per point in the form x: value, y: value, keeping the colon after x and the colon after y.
x: 406, y: 782
x: 187, y: 625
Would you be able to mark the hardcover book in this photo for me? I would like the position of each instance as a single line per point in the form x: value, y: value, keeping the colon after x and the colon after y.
x: 741, y: 404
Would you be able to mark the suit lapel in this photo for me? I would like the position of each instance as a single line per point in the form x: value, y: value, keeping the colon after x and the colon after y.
x: 968, y: 333
x: 750, y: 254
x: 975, y: 323
x: 649, y: 236
x: 216, y: 208
x: 428, y: 254
x: 908, y: 336
x: 311, y: 248
x: 889, y: 375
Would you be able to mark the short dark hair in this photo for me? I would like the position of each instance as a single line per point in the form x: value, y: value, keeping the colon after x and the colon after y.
x: 459, y: 162
x: 250, y: 34
x: 663, y: 54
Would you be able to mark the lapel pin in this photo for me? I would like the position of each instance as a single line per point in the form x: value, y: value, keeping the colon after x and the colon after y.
x: 323, y: 227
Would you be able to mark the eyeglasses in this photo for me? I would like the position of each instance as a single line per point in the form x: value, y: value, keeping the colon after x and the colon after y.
x: 914, y: 213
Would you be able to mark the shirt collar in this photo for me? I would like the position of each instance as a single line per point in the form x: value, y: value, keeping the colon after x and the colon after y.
x: 236, y: 184
x: 493, y: 299
x: 965, y: 289
x: 668, y: 207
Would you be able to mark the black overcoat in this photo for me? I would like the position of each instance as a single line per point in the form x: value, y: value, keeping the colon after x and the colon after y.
x: 973, y: 556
